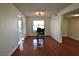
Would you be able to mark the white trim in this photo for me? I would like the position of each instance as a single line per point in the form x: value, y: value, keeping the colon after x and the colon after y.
x: 16, y: 46
x: 59, y: 41
x: 77, y: 39
x: 13, y: 50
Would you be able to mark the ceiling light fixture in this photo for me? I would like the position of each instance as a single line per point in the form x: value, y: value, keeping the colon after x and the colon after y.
x: 40, y: 13
x: 76, y: 15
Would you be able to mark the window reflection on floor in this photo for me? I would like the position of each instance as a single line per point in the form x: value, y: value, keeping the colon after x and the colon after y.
x: 38, y: 44
x: 21, y: 44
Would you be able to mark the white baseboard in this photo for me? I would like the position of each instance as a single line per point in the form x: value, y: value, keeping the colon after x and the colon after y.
x: 13, y: 50
x: 56, y: 39
x: 77, y: 39
x: 16, y: 46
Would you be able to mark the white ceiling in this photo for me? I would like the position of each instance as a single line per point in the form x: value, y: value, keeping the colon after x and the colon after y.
x: 73, y: 12
x: 28, y: 9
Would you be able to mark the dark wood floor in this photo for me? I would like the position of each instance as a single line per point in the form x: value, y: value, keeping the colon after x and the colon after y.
x: 29, y: 47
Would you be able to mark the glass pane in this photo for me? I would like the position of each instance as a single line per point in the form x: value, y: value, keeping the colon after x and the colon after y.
x: 35, y: 22
x: 41, y: 27
x: 38, y: 23
x: 41, y: 22
x: 35, y: 28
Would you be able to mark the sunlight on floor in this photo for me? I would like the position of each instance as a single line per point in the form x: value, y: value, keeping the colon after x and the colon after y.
x: 21, y: 44
x: 38, y: 44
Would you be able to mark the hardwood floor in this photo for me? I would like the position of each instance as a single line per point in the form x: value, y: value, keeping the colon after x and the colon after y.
x: 29, y: 47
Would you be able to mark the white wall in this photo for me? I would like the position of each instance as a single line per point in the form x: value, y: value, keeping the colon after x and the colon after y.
x: 30, y: 25
x: 56, y: 28
x: 8, y: 28
x: 57, y: 21
x: 73, y: 29
x: 70, y: 28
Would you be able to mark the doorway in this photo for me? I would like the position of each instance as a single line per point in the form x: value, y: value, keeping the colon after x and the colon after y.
x: 20, y: 28
x: 70, y: 26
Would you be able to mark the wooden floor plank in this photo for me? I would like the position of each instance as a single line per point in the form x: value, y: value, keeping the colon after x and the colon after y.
x: 29, y: 47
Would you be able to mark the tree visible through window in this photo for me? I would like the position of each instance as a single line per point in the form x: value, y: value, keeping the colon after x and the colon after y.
x: 38, y: 23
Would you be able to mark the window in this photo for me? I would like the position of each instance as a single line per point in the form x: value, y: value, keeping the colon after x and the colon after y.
x: 38, y: 23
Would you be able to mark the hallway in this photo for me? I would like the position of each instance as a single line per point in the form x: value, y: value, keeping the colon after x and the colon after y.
x: 51, y: 47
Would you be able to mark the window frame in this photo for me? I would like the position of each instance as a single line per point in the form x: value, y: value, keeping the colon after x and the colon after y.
x: 37, y: 25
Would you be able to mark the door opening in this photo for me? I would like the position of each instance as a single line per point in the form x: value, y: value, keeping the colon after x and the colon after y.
x: 20, y: 28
